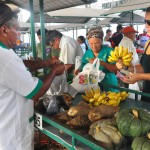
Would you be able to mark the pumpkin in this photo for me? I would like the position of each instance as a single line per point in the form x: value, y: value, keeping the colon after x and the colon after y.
x: 141, y: 143
x: 133, y: 122
x: 105, y: 131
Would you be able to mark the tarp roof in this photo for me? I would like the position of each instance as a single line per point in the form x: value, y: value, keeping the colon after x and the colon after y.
x: 65, y: 19
x: 125, y: 18
x: 50, y: 5
x: 129, y: 6
x: 77, y: 12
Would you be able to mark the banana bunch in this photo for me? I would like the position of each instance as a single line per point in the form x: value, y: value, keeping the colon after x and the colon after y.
x: 95, y: 97
x: 121, y: 53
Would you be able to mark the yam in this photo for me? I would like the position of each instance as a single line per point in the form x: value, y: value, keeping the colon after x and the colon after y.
x: 79, y: 122
x: 102, y: 111
x: 78, y: 111
x: 63, y: 117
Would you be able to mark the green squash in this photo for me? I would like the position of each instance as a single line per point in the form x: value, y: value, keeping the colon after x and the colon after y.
x: 141, y: 143
x: 133, y: 122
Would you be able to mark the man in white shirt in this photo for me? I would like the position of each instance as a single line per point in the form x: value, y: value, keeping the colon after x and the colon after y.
x: 69, y: 48
x: 127, y: 42
x: 18, y: 88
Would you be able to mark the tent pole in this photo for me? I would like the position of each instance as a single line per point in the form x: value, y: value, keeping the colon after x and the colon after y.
x: 43, y: 37
x: 33, y: 44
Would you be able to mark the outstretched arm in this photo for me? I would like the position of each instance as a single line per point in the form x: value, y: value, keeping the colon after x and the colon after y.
x: 56, y: 70
x: 34, y: 65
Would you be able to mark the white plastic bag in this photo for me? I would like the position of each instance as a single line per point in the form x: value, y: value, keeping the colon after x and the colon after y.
x: 77, y: 62
x: 89, y: 77
x: 135, y: 87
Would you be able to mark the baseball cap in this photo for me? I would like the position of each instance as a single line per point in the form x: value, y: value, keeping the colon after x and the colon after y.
x: 6, y: 13
x: 129, y: 29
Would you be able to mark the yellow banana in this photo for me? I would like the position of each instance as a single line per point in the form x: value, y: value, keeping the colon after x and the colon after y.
x: 120, y: 51
x: 112, y: 102
x: 87, y: 94
x: 129, y: 55
x: 91, y: 100
x: 103, y: 95
x: 97, y: 95
x: 92, y: 91
x: 128, y: 60
x: 125, y: 52
x: 85, y: 98
x: 96, y: 103
x: 97, y: 91
x: 126, y: 63
x: 116, y: 51
x: 110, y: 60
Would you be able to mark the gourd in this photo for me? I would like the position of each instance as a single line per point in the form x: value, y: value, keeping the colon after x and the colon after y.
x: 141, y: 143
x: 105, y: 131
x: 133, y: 122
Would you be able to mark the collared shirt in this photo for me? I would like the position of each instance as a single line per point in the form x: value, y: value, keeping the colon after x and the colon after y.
x: 17, y: 87
x: 69, y: 50
x: 128, y: 43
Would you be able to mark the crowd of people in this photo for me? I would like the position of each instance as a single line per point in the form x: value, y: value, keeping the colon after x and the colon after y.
x: 20, y: 89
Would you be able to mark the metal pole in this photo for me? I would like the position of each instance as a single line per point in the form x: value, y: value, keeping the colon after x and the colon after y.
x: 76, y: 32
x: 43, y: 38
x: 33, y: 43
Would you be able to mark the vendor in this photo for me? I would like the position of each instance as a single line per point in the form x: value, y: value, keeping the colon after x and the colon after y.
x: 18, y: 88
x: 141, y: 71
x: 95, y: 39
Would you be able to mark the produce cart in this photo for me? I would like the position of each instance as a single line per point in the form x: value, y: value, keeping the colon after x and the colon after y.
x: 73, y: 139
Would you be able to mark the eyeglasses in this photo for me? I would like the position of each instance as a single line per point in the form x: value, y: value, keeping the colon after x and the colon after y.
x: 147, y: 21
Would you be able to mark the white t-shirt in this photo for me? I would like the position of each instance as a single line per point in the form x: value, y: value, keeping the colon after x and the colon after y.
x: 128, y: 43
x: 83, y: 46
x: 17, y: 87
x: 69, y: 50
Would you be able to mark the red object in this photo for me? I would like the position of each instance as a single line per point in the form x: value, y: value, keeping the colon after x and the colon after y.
x: 139, y: 51
x: 129, y: 29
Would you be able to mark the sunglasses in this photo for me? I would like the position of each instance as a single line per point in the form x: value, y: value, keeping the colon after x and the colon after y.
x: 147, y: 21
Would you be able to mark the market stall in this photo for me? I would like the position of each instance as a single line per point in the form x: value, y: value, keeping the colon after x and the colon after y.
x: 79, y: 139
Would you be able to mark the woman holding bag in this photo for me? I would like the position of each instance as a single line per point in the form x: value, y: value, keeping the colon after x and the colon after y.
x: 95, y: 39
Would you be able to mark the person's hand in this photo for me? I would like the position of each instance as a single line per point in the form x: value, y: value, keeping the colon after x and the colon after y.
x: 58, y: 69
x: 131, y: 78
x: 53, y: 61
x: 119, y: 64
x: 76, y: 71
x: 91, y: 60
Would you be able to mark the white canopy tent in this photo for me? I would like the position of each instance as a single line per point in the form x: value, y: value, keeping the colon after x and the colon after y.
x: 77, y: 12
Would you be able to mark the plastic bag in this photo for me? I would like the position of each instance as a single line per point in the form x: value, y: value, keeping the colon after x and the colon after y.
x: 135, y: 87
x: 89, y: 77
x: 56, y: 104
x: 77, y: 62
x: 59, y: 85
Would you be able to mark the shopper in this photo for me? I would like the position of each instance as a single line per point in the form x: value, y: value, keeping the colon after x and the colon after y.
x: 69, y: 49
x: 95, y: 39
x: 18, y: 89
x: 142, y: 71
x: 81, y: 41
x: 116, y: 37
x: 50, y: 52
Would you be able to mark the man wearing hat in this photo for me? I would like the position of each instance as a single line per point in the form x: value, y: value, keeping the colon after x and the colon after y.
x: 18, y: 89
x: 127, y: 42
